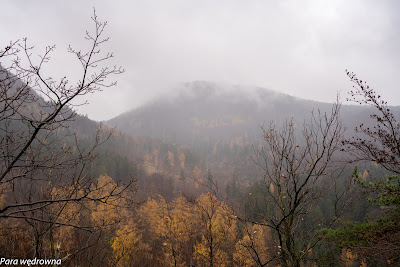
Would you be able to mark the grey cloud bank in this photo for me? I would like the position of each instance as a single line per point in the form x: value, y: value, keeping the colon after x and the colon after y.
x: 301, y: 48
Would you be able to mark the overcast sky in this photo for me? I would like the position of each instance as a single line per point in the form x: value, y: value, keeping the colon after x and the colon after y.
x: 301, y: 48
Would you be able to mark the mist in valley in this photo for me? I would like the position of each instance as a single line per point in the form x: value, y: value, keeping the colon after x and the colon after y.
x: 200, y: 134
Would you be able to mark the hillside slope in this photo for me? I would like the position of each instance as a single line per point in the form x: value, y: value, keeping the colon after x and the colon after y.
x: 208, y: 112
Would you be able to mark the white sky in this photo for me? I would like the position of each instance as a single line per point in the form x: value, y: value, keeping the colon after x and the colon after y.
x: 301, y: 48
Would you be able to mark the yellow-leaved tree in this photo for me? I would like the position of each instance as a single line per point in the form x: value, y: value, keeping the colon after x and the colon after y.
x: 128, y: 246
x: 171, y: 229
x: 218, y: 227
x: 252, y: 249
x: 151, y: 221
x: 182, y: 160
x: 170, y: 158
x: 181, y: 226
x: 68, y: 213
x: 111, y: 207
x: 155, y: 156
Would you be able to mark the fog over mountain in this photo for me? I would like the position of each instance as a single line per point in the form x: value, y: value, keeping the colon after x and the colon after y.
x: 202, y: 111
x: 200, y: 133
x: 298, y: 48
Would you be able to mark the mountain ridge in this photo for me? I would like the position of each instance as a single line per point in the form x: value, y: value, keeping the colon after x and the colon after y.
x: 203, y: 111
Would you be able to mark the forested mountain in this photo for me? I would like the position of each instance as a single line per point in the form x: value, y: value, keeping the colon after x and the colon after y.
x: 201, y: 179
x: 202, y: 111
x: 220, y: 125
x: 213, y: 128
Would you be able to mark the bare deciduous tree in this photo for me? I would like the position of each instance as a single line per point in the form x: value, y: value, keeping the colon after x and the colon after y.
x: 379, y: 143
x: 298, y: 169
x: 39, y: 156
x: 376, y: 240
